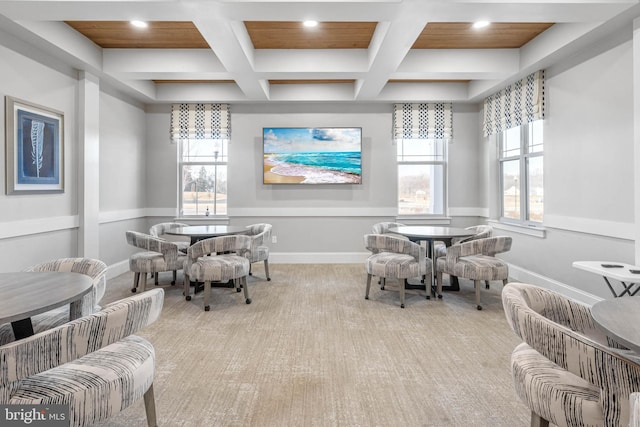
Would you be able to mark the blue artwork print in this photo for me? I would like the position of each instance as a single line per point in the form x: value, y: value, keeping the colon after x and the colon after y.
x: 38, y: 149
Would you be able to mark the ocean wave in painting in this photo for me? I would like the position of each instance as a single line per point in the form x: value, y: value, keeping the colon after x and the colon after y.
x: 313, y: 174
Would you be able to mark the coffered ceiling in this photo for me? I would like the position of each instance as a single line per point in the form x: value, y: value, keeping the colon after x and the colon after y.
x: 259, y: 51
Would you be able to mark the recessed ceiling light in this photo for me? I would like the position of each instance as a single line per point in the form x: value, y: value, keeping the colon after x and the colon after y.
x: 139, y: 24
x: 481, y: 24
x: 310, y: 24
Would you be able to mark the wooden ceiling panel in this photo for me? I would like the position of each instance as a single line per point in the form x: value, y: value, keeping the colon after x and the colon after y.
x: 461, y: 35
x: 293, y: 35
x: 158, y: 35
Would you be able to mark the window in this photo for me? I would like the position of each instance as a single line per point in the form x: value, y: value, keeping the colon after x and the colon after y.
x: 203, y: 174
x: 421, y: 176
x: 521, y: 173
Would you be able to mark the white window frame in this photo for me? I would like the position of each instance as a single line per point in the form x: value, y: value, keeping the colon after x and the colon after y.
x: 211, y: 209
x: 523, y: 157
x: 400, y: 161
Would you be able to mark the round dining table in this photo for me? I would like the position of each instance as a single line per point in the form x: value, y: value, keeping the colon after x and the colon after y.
x: 28, y: 293
x: 200, y: 232
x: 432, y: 234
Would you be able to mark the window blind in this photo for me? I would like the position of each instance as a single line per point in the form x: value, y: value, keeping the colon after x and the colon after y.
x: 200, y: 121
x: 423, y: 121
x: 519, y: 103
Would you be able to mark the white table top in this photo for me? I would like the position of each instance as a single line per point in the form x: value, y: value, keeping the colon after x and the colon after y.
x: 620, y: 273
x: 25, y: 294
x: 618, y: 318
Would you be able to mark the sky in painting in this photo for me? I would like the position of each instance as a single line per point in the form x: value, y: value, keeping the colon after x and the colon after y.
x: 292, y: 140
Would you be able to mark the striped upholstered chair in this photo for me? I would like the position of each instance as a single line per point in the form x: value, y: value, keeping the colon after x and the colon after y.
x: 218, y: 260
x: 159, y: 255
x: 93, y: 268
x: 93, y: 364
x: 160, y: 230
x: 566, y: 370
x: 395, y: 258
x: 482, y: 232
x: 260, y: 234
x: 475, y: 260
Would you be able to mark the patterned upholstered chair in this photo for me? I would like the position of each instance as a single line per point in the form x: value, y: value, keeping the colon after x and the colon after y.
x: 158, y: 256
x: 218, y: 260
x: 482, y: 232
x: 383, y: 228
x: 566, y: 370
x: 93, y: 364
x: 160, y: 231
x: 93, y: 268
x: 395, y: 258
x: 634, y: 402
x: 260, y: 235
x: 475, y: 260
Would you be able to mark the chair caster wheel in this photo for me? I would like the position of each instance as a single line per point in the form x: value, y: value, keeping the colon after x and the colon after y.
x: 134, y: 290
x: 248, y: 301
x: 250, y: 274
x: 487, y: 287
x: 479, y: 307
x: 401, y: 305
x: 367, y: 297
x: 188, y: 297
x: 206, y: 308
x: 268, y: 279
x: 382, y: 288
x: 237, y: 289
x: 173, y: 282
x: 428, y: 296
x: 439, y: 296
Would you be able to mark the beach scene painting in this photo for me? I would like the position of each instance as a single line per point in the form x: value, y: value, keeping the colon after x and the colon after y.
x: 312, y: 155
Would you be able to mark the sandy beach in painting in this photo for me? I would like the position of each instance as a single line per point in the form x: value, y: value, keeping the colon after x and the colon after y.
x: 276, y: 172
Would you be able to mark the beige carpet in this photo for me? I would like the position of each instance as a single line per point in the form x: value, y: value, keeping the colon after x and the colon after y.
x: 311, y: 351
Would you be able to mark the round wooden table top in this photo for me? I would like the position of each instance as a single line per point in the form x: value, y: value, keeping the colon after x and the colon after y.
x: 25, y: 294
x: 207, y: 230
x: 430, y: 232
x: 618, y: 318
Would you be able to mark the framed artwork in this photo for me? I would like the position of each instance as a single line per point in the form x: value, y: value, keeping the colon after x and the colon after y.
x: 34, y: 148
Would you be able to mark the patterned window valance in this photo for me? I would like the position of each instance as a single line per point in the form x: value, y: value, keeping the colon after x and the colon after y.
x: 519, y: 103
x: 200, y: 121
x: 423, y: 121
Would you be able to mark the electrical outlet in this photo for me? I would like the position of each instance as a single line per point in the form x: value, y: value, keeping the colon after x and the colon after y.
x: 274, y: 239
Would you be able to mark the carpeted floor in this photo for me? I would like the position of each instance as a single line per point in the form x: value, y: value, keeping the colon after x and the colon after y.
x: 311, y: 351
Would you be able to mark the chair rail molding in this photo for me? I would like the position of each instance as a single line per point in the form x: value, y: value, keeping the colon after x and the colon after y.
x: 28, y: 227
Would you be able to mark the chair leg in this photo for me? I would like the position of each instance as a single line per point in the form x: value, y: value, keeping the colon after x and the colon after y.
x: 486, y: 284
x: 402, y: 293
x: 175, y: 277
x: 186, y: 286
x: 156, y: 278
x: 439, y: 283
x: 266, y: 270
x: 150, y: 407
x: 366, y: 295
x: 538, y: 421
x: 383, y: 282
x: 246, y: 289
x: 136, y: 282
x: 207, y: 295
x: 476, y: 283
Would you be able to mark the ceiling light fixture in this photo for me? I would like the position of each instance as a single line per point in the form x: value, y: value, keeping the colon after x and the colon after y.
x: 481, y: 24
x: 139, y: 24
x: 310, y: 24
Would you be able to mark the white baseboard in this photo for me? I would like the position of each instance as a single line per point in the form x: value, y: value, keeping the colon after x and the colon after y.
x: 521, y: 275
x: 117, y: 269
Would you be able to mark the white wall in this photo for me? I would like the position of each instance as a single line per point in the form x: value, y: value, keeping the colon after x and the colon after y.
x: 588, y: 167
x: 47, y: 221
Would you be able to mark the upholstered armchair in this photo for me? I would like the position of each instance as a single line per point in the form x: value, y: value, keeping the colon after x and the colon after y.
x: 395, y: 258
x: 481, y: 232
x: 218, y: 260
x: 159, y: 255
x: 93, y: 268
x: 566, y: 370
x: 160, y: 230
x: 93, y: 364
x: 260, y: 235
x: 475, y: 260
